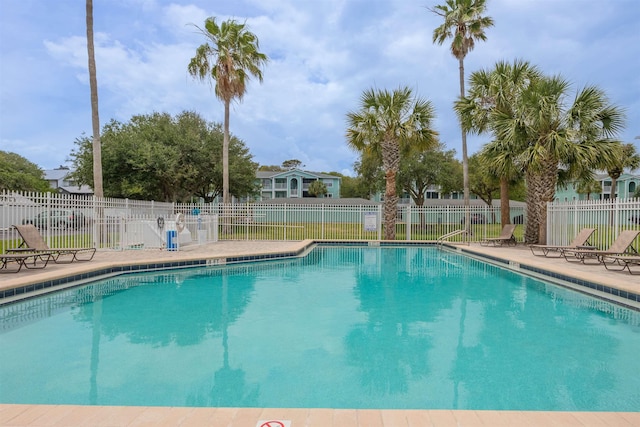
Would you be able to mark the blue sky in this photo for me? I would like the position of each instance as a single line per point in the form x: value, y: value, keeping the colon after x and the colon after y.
x: 324, y: 54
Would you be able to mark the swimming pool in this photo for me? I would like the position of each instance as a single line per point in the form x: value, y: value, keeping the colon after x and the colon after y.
x: 344, y: 327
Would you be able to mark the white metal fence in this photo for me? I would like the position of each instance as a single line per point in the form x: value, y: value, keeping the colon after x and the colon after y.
x: 608, y: 217
x: 68, y: 221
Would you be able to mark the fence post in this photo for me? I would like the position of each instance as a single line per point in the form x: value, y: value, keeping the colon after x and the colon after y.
x: 94, y: 224
x: 322, y: 222
x: 246, y: 221
x: 379, y: 222
x: 48, y: 220
x: 284, y: 222
x: 408, y: 226
x: 123, y: 235
x: 616, y: 218
x: 361, y: 225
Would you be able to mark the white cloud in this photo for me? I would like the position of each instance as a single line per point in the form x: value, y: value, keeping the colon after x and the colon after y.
x: 323, y: 55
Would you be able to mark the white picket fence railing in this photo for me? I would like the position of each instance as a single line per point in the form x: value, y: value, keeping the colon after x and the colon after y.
x: 608, y: 217
x: 66, y: 221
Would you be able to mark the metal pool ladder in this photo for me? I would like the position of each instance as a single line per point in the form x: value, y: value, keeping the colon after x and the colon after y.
x: 442, y: 238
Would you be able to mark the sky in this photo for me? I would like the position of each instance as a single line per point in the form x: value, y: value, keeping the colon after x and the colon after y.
x: 323, y: 55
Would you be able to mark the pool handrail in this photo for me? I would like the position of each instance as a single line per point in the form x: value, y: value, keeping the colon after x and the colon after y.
x: 442, y: 238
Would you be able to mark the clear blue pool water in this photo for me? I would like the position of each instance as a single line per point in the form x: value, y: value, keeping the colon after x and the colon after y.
x: 344, y: 327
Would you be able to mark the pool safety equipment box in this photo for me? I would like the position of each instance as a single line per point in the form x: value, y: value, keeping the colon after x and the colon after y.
x: 172, y: 240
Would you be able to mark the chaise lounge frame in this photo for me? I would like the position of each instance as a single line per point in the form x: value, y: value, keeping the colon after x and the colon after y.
x: 32, y: 241
x: 622, y: 261
x: 581, y: 241
x: 23, y: 260
x: 506, y: 237
x: 621, y: 246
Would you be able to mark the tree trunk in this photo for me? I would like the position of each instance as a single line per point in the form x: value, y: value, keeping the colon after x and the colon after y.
x: 612, y: 194
x: 391, y: 164
x: 541, y: 189
x: 225, y: 154
x: 614, y: 183
x: 390, y: 206
x: 533, y: 217
x: 505, y: 210
x: 465, y: 158
x: 549, y: 181
x: 95, y: 118
x: 98, y: 191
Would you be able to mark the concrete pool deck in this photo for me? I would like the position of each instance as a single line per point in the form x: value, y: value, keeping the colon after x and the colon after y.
x: 69, y: 415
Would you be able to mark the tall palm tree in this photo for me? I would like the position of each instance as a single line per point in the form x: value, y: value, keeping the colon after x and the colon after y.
x: 629, y: 160
x: 494, y: 92
x: 549, y: 134
x: 388, y: 125
x: 464, y: 23
x: 229, y: 57
x: 95, y: 118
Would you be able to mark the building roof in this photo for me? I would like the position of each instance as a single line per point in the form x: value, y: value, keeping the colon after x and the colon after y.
x: 336, y: 201
x: 319, y: 201
x: 56, y: 174
x: 600, y: 176
x: 82, y: 190
x: 59, y: 175
x: 472, y: 202
x: 271, y: 174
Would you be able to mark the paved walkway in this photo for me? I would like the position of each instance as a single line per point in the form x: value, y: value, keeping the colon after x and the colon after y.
x: 68, y: 415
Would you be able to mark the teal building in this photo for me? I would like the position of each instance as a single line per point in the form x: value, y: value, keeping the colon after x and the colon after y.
x: 627, y: 187
x: 294, y: 183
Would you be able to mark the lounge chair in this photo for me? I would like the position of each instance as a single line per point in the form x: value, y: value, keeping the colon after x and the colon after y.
x: 506, y: 237
x: 579, y: 242
x: 621, y: 246
x: 24, y: 260
x: 612, y: 262
x: 32, y: 241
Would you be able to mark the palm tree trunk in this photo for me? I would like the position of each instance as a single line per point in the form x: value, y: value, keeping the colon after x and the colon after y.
x: 225, y: 154
x: 612, y: 196
x: 550, y: 179
x: 391, y: 164
x: 614, y: 184
x: 465, y: 158
x: 541, y: 188
x: 95, y: 118
x: 505, y: 211
x: 100, y: 233
x: 390, y: 206
x: 533, y: 217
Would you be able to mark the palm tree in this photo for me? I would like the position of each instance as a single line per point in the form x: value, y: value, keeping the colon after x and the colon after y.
x: 494, y: 92
x: 548, y: 134
x: 464, y: 24
x: 95, y: 118
x: 537, y: 133
x: 588, y: 185
x: 229, y: 57
x: 629, y: 160
x: 388, y: 125
x: 504, y: 165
